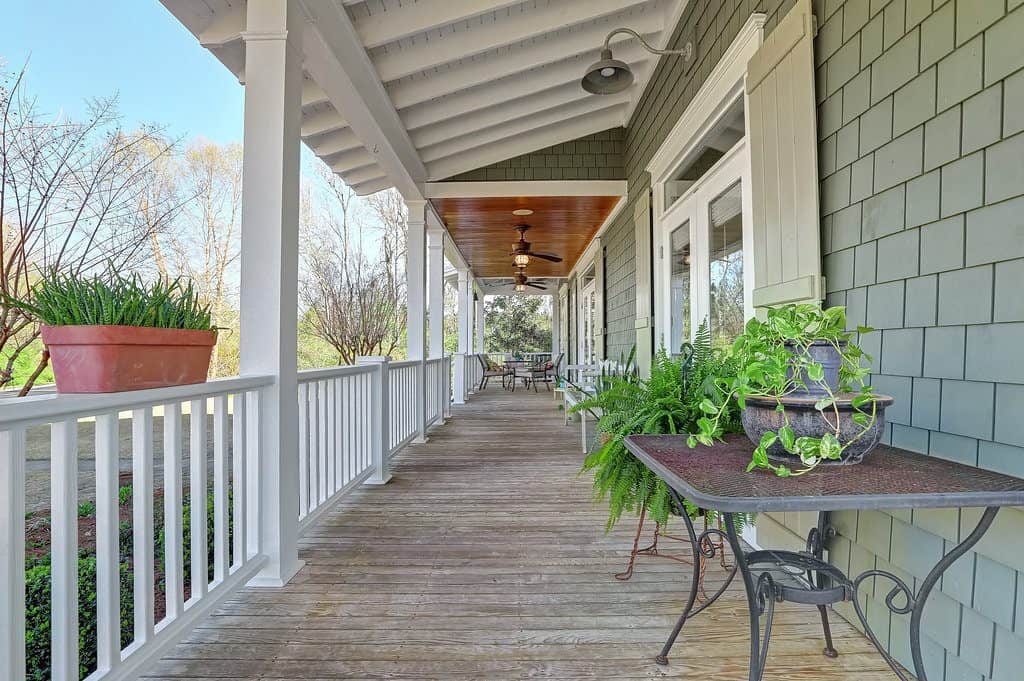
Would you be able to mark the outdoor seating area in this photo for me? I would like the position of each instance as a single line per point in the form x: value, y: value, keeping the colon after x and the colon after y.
x: 525, y: 370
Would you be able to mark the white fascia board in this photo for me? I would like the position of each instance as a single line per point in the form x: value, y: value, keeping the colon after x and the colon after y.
x: 536, y: 121
x: 338, y: 62
x: 522, y: 24
x: 562, y: 131
x: 407, y: 20
x: 573, y: 52
x: 524, y: 188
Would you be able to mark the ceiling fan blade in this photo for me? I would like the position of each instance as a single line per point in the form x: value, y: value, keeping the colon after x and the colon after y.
x: 542, y: 288
x: 546, y: 256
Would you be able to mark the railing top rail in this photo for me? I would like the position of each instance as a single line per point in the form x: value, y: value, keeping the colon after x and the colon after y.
x: 28, y: 411
x: 311, y: 375
x: 404, y: 363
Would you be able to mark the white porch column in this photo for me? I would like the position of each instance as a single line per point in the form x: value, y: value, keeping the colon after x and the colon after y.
x: 480, y: 324
x: 435, y: 289
x: 416, y: 319
x: 461, y: 360
x: 556, y: 326
x: 269, y: 268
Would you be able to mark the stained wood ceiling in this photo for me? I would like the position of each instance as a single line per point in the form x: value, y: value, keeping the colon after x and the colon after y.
x: 483, y: 229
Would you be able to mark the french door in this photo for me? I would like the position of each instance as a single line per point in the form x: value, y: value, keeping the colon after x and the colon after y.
x: 704, y: 268
x: 587, y: 314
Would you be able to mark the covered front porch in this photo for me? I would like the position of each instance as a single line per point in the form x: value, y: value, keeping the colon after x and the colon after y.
x: 485, y: 558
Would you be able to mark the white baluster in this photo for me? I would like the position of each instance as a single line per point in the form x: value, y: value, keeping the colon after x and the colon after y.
x: 221, y: 548
x: 238, y: 479
x: 64, y: 549
x: 142, y: 521
x: 303, y: 450
x: 197, y: 497
x: 174, y: 572
x: 108, y: 559
x: 12, y: 555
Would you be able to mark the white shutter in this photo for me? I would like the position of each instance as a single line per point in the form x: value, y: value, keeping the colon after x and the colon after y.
x: 599, y: 330
x: 784, y: 162
x: 644, y: 323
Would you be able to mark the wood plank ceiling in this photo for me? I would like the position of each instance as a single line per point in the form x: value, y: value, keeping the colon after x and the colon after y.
x: 483, y: 230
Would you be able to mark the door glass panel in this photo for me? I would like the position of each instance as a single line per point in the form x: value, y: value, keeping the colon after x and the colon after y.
x: 680, y: 285
x: 725, y: 227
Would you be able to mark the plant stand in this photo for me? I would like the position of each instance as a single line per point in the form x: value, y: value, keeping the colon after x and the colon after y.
x: 652, y: 550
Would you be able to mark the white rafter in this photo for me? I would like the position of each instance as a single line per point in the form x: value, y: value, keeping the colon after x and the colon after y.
x: 520, y: 126
x: 322, y: 122
x: 335, y: 143
x: 525, y: 23
x: 340, y: 65
x: 587, y: 124
x: 522, y: 59
x: 350, y: 160
x: 407, y: 20
x: 372, y: 187
x: 313, y: 94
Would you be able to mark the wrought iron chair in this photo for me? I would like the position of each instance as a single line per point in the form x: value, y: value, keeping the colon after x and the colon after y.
x: 490, y: 371
x: 544, y: 372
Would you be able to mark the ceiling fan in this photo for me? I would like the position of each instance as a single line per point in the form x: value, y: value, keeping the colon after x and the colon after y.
x: 521, y: 252
x: 522, y: 281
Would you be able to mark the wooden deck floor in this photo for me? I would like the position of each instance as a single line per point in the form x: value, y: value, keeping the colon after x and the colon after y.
x: 484, y: 559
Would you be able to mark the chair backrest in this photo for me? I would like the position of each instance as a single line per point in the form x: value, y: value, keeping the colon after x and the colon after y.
x: 483, y: 362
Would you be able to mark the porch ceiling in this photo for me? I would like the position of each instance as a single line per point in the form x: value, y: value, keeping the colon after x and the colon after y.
x: 483, y: 230
x: 399, y: 92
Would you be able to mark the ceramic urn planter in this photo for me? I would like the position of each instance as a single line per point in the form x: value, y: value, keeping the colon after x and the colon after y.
x: 105, y: 359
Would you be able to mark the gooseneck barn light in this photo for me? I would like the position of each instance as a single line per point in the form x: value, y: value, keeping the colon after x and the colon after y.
x: 609, y: 76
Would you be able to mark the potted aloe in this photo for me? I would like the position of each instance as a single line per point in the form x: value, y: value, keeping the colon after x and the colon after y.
x: 800, y: 382
x: 112, y: 333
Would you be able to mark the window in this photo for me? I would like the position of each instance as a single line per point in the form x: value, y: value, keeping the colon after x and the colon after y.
x: 725, y: 242
x: 680, y: 285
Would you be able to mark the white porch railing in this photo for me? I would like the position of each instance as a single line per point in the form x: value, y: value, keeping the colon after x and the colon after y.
x: 234, y: 545
x: 351, y: 420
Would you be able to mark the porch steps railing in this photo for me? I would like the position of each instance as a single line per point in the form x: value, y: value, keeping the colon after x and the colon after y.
x: 351, y: 420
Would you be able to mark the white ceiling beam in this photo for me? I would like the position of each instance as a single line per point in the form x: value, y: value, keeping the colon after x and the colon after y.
x: 521, y: 60
x: 524, y: 23
x: 524, y: 188
x: 523, y: 144
x: 396, y: 23
x: 455, y: 126
x: 339, y: 63
x: 523, y: 125
x: 322, y: 122
x: 337, y: 142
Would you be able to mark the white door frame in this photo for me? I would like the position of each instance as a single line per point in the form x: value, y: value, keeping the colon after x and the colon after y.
x: 693, y: 206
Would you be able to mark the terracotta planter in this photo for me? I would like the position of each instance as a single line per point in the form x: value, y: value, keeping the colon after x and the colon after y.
x: 106, y: 359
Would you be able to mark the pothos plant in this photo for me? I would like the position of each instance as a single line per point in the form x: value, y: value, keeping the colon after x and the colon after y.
x: 667, y: 402
x: 771, y: 360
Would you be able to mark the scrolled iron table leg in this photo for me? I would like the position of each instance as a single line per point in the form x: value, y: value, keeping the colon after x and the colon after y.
x: 704, y: 549
x: 914, y: 605
x: 760, y: 600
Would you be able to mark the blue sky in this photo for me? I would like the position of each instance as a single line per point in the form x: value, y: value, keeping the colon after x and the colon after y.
x: 135, y: 49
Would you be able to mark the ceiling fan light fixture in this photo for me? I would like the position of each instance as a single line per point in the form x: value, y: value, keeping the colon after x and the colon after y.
x: 520, y: 287
x: 521, y: 260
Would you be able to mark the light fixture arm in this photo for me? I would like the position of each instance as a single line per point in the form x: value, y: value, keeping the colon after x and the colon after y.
x: 686, y: 51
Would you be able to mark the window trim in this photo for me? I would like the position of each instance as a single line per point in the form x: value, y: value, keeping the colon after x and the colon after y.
x: 720, y: 92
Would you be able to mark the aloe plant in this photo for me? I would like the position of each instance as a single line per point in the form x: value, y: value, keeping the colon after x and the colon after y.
x: 112, y: 299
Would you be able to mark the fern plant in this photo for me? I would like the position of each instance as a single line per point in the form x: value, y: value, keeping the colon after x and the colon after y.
x: 668, y: 402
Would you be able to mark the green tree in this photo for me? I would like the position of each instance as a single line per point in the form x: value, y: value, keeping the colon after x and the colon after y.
x: 517, y: 324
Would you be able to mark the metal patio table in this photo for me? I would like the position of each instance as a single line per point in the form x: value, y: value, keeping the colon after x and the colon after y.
x: 714, y: 478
